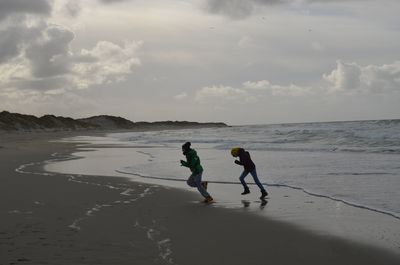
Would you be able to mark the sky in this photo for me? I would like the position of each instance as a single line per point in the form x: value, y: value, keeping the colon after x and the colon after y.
x: 233, y: 61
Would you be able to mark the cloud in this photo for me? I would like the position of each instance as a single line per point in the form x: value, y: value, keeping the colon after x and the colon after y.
x: 72, y: 7
x: 181, y: 96
x: 235, y: 9
x: 346, y: 78
x: 16, y: 28
x: 112, y: 1
x: 249, y: 92
x: 221, y: 94
x: 354, y: 78
x: 46, y: 62
x: 39, y: 103
x: 105, y: 63
x: 50, y: 54
x: 239, y: 9
x: 258, y: 85
x: 291, y: 90
x: 14, y: 38
x: 11, y: 7
x: 36, y: 57
x: 278, y: 90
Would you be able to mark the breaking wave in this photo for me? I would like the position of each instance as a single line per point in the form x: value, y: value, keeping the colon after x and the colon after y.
x: 382, y: 136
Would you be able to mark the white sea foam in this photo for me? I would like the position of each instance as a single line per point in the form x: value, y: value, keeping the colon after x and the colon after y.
x: 163, y: 244
x: 78, y: 178
x: 127, y: 192
x: 91, y: 212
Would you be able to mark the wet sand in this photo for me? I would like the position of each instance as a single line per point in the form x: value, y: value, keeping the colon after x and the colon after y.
x: 49, y: 218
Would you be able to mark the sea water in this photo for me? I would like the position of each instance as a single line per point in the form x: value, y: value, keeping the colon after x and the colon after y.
x: 335, y: 179
x: 357, y: 163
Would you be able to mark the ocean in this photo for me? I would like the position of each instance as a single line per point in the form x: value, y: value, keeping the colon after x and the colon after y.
x: 356, y: 163
x: 335, y: 178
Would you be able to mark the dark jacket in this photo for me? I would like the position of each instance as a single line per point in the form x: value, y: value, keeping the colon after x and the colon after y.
x: 192, y: 162
x: 245, y: 160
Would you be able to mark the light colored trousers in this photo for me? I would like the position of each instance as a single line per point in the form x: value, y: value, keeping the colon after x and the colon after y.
x: 195, y: 181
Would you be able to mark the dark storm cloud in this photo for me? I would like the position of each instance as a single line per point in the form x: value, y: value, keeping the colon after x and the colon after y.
x: 9, y: 43
x: 50, y: 55
x: 10, y: 7
x: 14, y: 38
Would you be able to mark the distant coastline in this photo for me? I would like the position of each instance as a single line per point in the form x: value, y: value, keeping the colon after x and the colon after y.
x: 16, y: 122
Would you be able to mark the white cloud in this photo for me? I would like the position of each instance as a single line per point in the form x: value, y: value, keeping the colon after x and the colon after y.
x: 39, y: 103
x: 263, y: 84
x: 36, y: 55
x: 347, y: 78
x: 352, y: 77
x: 106, y: 62
x: 14, y: 69
x: 249, y: 92
x: 277, y: 90
x: 222, y: 94
x: 13, y: 93
x: 181, y: 96
x: 46, y: 61
x: 291, y: 90
x: 382, y: 78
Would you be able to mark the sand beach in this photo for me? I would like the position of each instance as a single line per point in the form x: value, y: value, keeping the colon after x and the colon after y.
x: 58, y: 218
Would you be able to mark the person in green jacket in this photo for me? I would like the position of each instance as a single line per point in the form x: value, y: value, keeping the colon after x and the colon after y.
x: 193, y: 163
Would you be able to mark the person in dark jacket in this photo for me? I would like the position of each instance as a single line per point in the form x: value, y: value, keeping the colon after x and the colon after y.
x: 193, y: 163
x: 249, y: 167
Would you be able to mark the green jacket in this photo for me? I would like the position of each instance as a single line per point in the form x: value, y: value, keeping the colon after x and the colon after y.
x: 192, y: 162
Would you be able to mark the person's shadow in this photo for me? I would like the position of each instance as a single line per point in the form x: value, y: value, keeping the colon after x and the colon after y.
x: 246, y: 203
x: 263, y: 203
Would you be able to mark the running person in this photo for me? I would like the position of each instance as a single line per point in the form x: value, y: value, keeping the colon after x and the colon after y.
x: 193, y: 163
x: 249, y: 167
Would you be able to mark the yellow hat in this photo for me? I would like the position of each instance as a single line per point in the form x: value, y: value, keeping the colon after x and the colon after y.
x: 235, y: 151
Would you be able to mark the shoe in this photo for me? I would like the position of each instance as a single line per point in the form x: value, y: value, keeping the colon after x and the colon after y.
x: 208, y: 199
x: 204, y: 184
x: 246, y: 191
x: 263, y: 194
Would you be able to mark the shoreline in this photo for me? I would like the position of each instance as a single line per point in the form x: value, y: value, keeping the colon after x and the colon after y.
x: 75, y: 219
x: 320, y: 215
